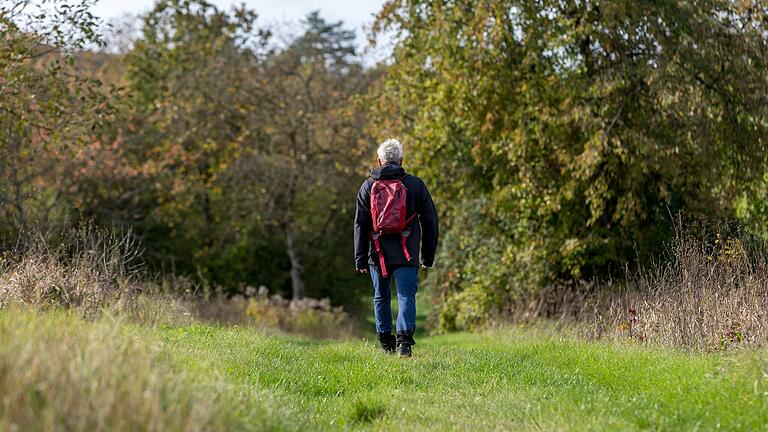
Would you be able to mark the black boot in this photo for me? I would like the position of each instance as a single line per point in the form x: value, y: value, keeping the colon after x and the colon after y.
x: 387, y: 342
x: 404, y: 343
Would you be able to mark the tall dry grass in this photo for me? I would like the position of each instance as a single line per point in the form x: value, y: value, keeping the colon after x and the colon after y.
x: 92, y: 271
x: 706, y: 296
x: 60, y: 373
x: 88, y: 271
x: 703, y: 294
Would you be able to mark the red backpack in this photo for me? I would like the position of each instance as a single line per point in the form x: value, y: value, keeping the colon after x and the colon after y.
x: 388, y: 207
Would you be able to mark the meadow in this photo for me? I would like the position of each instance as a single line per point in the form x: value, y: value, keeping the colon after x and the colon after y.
x: 60, y: 372
x: 177, y: 190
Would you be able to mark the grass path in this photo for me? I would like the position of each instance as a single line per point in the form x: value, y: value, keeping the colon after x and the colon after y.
x: 504, y: 380
x: 58, y: 370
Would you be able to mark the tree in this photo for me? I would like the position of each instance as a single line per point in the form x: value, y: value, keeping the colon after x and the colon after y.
x: 566, y: 133
x: 46, y: 109
x: 314, y: 141
x: 188, y: 98
x: 254, y: 146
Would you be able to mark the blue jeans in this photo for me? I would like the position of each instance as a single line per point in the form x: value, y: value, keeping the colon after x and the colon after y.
x: 406, y: 281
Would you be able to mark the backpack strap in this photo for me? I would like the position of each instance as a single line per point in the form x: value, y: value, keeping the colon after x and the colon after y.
x: 405, y: 249
x: 404, y: 236
x: 375, y: 236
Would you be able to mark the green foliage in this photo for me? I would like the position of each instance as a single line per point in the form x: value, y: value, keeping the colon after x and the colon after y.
x: 231, y: 158
x: 557, y: 137
x: 47, y: 110
x: 243, y: 142
x: 571, y: 131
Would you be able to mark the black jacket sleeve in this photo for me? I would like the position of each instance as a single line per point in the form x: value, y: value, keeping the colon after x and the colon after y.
x: 429, y: 227
x: 363, y: 225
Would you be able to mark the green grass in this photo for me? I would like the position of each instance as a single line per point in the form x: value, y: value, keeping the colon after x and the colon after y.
x: 501, y: 380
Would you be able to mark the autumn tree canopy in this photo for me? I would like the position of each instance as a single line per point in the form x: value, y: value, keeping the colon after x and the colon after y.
x: 561, y: 136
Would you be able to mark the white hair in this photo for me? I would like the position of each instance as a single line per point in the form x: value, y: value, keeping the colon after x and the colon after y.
x: 390, y: 151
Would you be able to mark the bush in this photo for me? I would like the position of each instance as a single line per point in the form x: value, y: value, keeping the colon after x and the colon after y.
x: 309, y: 317
x: 479, y: 272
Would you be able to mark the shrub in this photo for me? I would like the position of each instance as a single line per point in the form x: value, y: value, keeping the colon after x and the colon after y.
x: 92, y: 271
x: 310, y: 317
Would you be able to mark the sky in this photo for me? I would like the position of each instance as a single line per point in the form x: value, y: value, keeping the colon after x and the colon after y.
x: 356, y: 14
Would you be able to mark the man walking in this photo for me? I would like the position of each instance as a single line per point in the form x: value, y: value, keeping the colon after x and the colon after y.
x: 394, y: 214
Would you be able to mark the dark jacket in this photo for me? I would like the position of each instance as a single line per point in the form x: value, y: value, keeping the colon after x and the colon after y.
x: 423, y: 227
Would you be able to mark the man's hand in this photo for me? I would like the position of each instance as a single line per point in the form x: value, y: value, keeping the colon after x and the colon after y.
x: 424, y: 268
x: 362, y: 270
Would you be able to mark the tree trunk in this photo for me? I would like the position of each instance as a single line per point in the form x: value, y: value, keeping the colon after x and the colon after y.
x: 297, y: 269
x: 21, y: 218
x: 205, y: 204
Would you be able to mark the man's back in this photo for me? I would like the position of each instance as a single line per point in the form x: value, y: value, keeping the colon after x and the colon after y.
x: 424, y: 226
